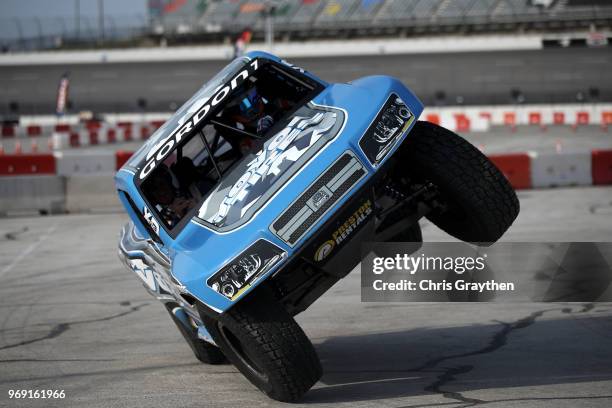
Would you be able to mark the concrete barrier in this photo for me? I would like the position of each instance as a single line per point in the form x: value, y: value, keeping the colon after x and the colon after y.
x: 601, y: 166
x: 42, y: 193
x: 557, y: 170
x: 516, y: 167
x: 77, y: 163
x: 83, y: 182
x: 91, y: 193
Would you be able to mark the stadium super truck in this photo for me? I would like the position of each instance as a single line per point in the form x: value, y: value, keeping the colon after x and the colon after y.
x: 255, y: 197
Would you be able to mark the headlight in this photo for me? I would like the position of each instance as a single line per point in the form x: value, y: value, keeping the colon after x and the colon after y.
x: 238, y: 275
x: 391, y: 122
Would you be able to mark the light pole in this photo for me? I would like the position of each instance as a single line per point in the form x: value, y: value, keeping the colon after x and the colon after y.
x: 77, y: 18
x: 269, y: 25
x: 101, y: 20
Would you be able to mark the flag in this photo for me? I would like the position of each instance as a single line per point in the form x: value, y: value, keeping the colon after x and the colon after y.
x: 62, y: 95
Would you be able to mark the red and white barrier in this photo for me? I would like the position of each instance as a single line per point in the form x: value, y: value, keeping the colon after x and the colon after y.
x: 62, y: 164
x: 91, y: 133
x: 480, y: 118
x: 27, y: 164
x: 132, y: 127
x: 103, y: 135
x: 523, y: 170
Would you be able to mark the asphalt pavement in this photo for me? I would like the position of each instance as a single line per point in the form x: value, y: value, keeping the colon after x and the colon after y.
x: 541, y: 76
x: 72, y: 318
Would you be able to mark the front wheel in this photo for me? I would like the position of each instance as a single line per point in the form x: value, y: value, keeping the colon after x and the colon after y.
x: 268, y: 347
x: 481, y: 203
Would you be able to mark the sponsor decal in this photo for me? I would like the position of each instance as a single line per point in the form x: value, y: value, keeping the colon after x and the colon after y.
x: 277, y: 155
x: 151, y: 278
x: 144, y: 272
x: 324, y: 250
x: 344, y: 231
x: 150, y: 219
x: 162, y: 149
x: 320, y: 197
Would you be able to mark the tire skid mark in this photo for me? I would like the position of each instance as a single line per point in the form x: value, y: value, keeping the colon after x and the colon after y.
x: 60, y: 328
x: 448, y: 376
x: 55, y: 360
x: 525, y: 399
x: 23, y: 254
x: 3, y: 328
x: 12, y: 235
x: 498, y: 340
x: 146, y: 369
x: 65, y: 282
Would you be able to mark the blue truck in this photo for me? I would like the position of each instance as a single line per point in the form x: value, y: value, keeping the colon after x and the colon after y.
x: 257, y: 195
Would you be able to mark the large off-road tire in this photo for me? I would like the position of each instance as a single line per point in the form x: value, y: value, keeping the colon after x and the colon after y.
x: 204, y: 351
x: 481, y: 203
x: 268, y: 347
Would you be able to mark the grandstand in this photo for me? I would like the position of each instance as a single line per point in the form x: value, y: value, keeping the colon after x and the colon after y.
x: 213, y: 21
x: 328, y: 18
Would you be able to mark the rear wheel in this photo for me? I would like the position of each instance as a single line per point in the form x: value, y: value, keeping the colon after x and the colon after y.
x: 268, y: 347
x: 481, y: 203
x: 204, y: 351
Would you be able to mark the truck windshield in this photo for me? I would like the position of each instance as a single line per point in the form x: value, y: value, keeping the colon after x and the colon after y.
x: 218, y: 127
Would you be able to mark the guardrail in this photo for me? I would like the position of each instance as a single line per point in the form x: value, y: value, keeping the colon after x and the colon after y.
x: 84, y: 182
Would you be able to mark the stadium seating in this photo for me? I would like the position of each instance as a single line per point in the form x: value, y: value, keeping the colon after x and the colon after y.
x: 221, y: 20
x: 314, y: 17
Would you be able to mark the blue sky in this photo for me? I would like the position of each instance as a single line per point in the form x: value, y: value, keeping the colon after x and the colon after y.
x: 57, y: 16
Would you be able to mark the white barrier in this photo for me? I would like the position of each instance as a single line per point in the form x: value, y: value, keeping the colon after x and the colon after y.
x: 86, y: 193
x: 76, y: 163
x: 32, y: 193
x: 555, y: 170
x: 324, y: 48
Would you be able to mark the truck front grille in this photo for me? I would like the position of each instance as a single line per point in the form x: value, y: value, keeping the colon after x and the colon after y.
x: 308, y: 208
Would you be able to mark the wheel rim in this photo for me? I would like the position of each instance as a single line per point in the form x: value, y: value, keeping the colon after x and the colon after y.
x: 239, y: 350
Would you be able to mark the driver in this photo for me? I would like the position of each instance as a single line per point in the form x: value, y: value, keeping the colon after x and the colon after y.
x: 169, y: 201
x: 249, y: 113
